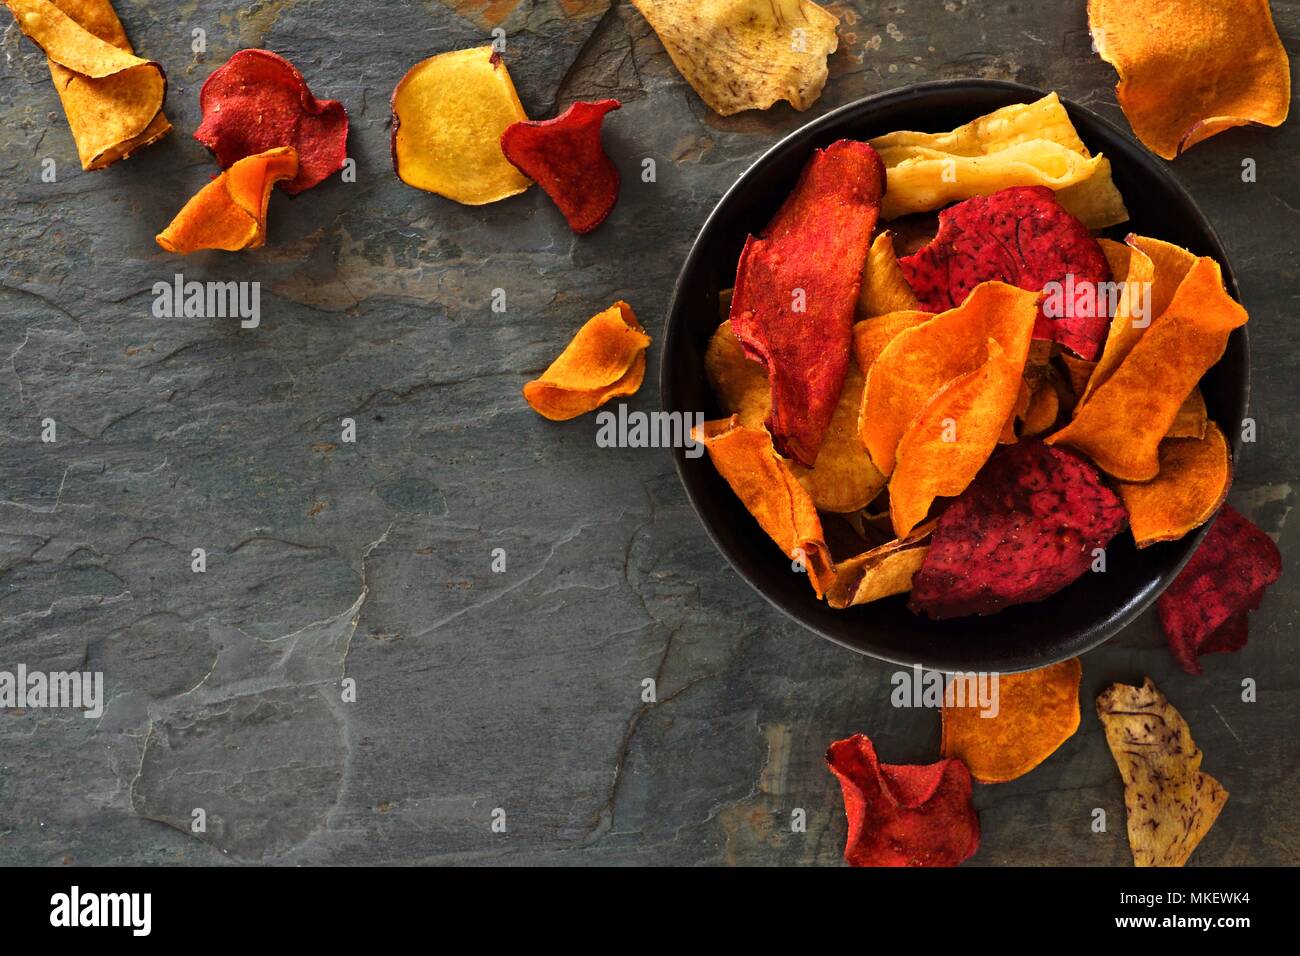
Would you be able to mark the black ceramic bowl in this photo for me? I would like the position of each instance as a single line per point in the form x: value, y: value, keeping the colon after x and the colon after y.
x: 1027, y: 636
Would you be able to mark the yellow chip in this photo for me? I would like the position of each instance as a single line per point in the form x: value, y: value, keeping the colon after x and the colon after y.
x: 112, y: 98
x: 746, y: 54
x: 843, y: 478
x: 449, y: 112
x: 1025, y: 144
x: 877, y: 573
x: 884, y: 287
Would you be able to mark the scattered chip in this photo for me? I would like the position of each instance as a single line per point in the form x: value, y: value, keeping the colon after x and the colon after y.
x: 606, y: 359
x: 878, y: 573
x: 918, y: 361
x: 746, y: 54
x: 1037, y: 712
x: 1024, y: 237
x: 768, y: 489
x: 229, y: 213
x: 1205, y: 609
x: 903, y: 814
x: 1171, y: 804
x: 844, y: 479
x: 449, y: 112
x: 112, y: 98
x: 1024, y: 144
x: 566, y: 158
x: 797, y: 288
x: 1193, y: 481
x: 1122, y: 421
x: 257, y: 101
x: 1025, y: 528
x: 1191, y: 68
x: 944, y: 448
x: 884, y: 287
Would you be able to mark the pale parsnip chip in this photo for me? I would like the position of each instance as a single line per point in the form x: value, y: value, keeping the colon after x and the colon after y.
x: 746, y: 54
x: 1024, y: 144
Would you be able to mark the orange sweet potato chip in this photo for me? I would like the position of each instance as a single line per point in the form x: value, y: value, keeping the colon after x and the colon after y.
x: 1023, y: 397
x: 1044, y: 405
x: 1195, y: 474
x: 112, y: 98
x: 1079, y: 371
x: 1191, y: 68
x: 230, y: 212
x: 884, y: 287
x: 877, y: 573
x: 767, y: 487
x: 1131, y: 267
x: 948, y: 442
x: 919, y: 361
x: 870, y: 336
x: 1037, y: 711
x: 1192, y: 418
x: 1171, y: 804
x: 606, y: 359
x: 1121, y: 423
x: 843, y: 478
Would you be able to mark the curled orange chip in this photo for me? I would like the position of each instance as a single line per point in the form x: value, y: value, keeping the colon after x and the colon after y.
x: 1044, y: 405
x: 1195, y: 474
x: 947, y: 444
x: 1121, y: 423
x: 449, y: 112
x: 884, y: 287
x: 230, y: 212
x: 843, y: 477
x: 919, y: 361
x: 112, y: 98
x: 1035, y: 712
x: 767, y: 487
x: 606, y: 359
x: 1191, y: 68
x: 877, y: 573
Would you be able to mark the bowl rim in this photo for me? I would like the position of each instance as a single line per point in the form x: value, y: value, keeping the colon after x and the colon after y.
x: 674, y: 323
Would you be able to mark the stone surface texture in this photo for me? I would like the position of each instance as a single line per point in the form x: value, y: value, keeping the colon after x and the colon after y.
x: 371, y: 560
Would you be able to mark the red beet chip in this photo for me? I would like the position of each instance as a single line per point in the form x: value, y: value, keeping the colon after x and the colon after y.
x: 1204, y: 611
x: 258, y: 101
x: 904, y: 815
x: 797, y: 288
x: 565, y: 157
x: 1026, y: 527
x: 1024, y: 237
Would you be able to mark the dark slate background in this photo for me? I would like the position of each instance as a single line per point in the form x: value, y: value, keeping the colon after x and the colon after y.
x: 477, y: 690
